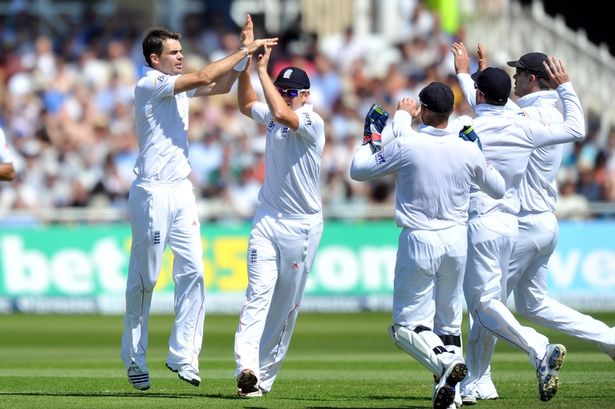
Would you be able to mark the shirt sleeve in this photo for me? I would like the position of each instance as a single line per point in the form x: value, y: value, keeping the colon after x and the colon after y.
x: 402, y: 124
x: 367, y: 165
x: 487, y: 177
x: 573, y: 127
x: 261, y: 113
x: 159, y: 86
x: 311, y: 125
x: 467, y: 87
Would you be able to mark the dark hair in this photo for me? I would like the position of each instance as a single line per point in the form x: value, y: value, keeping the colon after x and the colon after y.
x: 152, y: 43
x: 433, y: 118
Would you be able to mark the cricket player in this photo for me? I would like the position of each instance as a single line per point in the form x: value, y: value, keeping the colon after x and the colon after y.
x: 287, y: 226
x: 435, y: 170
x: 7, y: 169
x: 538, y: 227
x: 162, y: 203
x: 508, y: 138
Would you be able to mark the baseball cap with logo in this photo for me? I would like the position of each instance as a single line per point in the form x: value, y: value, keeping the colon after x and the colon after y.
x: 437, y: 97
x: 292, y: 78
x: 531, y: 62
x: 494, y: 83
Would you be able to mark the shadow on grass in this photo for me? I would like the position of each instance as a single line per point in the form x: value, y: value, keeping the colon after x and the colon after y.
x: 139, y: 395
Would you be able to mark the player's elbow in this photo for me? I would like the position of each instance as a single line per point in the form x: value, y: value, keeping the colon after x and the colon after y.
x: 358, y: 174
x: 205, y: 78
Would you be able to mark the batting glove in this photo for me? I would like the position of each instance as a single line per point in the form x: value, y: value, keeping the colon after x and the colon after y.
x: 375, y: 120
x: 467, y: 134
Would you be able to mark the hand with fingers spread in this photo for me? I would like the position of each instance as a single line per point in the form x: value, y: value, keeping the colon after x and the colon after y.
x: 557, y: 71
x: 410, y: 106
x: 263, y: 59
x: 461, y: 58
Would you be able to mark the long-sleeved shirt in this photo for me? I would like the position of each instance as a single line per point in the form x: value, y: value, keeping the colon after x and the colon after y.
x: 434, y: 171
x: 509, y: 136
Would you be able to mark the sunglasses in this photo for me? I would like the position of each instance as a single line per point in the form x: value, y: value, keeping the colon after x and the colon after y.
x: 290, y: 92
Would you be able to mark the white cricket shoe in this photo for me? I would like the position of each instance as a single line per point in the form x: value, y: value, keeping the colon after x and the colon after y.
x: 548, y: 371
x: 444, y: 391
x: 186, y: 372
x: 246, y: 384
x: 482, y: 389
x: 137, y: 377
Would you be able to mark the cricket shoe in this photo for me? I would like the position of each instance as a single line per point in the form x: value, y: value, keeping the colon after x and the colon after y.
x: 246, y: 384
x: 137, y: 377
x: 548, y: 371
x: 444, y: 391
x: 482, y: 389
x: 186, y: 373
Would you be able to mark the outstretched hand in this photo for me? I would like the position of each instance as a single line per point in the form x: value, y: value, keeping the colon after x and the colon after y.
x: 461, y: 58
x: 556, y: 70
x: 247, y: 32
x: 482, y: 57
x: 263, y: 59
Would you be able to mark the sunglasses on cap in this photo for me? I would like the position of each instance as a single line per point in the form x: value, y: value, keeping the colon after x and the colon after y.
x: 290, y: 92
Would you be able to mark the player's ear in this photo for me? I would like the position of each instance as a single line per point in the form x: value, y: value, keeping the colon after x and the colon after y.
x: 154, y: 58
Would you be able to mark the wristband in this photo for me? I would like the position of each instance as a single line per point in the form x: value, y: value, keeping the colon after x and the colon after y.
x: 241, y: 65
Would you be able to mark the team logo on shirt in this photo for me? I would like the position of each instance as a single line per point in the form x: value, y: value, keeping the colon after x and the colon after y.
x: 271, y: 125
x: 521, y: 113
x: 380, y: 158
x: 307, y: 119
x: 284, y: 132
x: 157, y: 237
x: 161, y: 78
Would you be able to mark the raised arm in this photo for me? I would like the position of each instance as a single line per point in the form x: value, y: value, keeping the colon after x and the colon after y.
x: 281, y: 112
x: 207, y: 77
x: 573, y: 128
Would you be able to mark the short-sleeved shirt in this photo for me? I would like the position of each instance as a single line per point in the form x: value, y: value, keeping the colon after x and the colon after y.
x: 161, y: 121
x: 292, y: 160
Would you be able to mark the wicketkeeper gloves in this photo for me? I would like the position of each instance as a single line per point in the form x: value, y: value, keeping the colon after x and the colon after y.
x: 467, y: 134
x: 375, y: 120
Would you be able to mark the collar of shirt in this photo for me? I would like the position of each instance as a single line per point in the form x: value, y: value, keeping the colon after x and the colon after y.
x: 549, y: 97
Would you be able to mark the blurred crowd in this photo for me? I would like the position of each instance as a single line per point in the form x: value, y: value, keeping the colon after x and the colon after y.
x: 66, y: 105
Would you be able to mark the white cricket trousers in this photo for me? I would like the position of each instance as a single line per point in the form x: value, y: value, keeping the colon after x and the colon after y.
x: 281, y: 251
x: 527, y: 278
x: 164, y: 214
x: 490, y: 242
x: 428, y: 277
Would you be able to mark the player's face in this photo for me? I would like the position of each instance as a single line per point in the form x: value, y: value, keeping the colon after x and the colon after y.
x: 171, y: 60
x: 523, y: 82
x: 294, y: 98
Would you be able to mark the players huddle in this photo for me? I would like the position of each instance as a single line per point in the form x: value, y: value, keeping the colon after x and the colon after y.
x: 468, y: 235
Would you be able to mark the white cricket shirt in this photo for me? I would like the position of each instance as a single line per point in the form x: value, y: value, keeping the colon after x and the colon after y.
x: 434, y: 171
x: 538, y: 190
x: 161, y: 121
x: 508, y: 137
x: 5, y: 152
x: 292, y: 160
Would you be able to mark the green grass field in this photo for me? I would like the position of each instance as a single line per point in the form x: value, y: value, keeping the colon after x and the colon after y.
x: 335, y: 361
